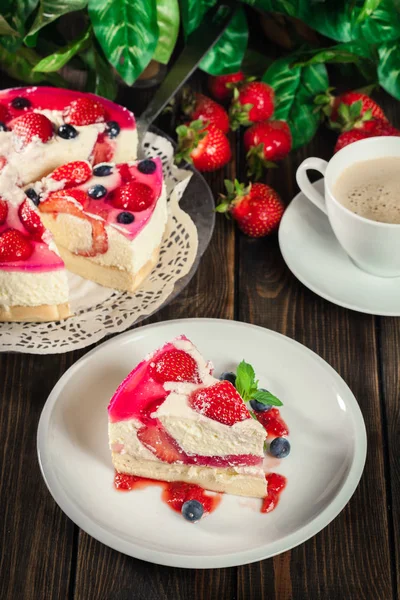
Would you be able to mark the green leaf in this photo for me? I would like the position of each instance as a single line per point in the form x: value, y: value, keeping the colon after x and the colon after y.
x: 5, y: 28
x: 352, y: 52
x: 295, y: 89
x: 267, y: 398
x: 58, y: 59
x: 105, y: 82
x: 389, y: 68
x: 368, y: 8
x: 168, y: 29
x: 127, y: 32
x: 332, y: 18
x: 286, y: 7
x: 245, y: 379
x: 227, y: 54
x: 50, y: 10
x: 382, y: 24
x: 19, y: 65
x: 192, y: 13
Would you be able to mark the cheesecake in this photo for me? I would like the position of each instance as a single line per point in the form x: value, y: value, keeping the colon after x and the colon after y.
x: 171, y: 420
x: 42, y: 128
x: 33, y: 280
x: 108, y: 221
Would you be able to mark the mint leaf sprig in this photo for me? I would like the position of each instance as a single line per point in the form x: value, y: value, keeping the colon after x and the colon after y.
x: 247, y: 386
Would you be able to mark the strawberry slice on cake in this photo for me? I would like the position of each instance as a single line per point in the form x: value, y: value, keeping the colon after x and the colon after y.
x: 171, y: 420
x: 108, y: 221
x: 33, y: 282
x: 42, y: 128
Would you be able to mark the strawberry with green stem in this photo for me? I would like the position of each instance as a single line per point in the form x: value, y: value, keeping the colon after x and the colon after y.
x: 252, y: 102
x: 266, y: 142
x: 350, y: 110
x: 206, y: 147
x: 256, y: 208
x: 197, y: 106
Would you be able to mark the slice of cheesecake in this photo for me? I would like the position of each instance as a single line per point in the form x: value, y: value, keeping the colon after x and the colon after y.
x: 109, y: 222
x: 171, y: 420
x: 33, y: 281
x: 42, y: 128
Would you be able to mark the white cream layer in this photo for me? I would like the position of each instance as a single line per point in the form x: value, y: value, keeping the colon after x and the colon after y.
x: 21, y: 288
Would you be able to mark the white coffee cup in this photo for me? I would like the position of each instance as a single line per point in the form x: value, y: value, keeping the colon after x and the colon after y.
x: 373, y: 246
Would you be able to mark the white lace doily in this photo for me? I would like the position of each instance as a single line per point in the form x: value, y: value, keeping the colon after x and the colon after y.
x: 100, y: 311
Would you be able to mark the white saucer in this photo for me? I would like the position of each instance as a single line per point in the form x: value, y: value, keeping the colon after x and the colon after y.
x: 327, y: 435
x: 314, y: 256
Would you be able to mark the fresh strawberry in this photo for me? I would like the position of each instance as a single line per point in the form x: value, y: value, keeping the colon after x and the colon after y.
x: 84, y: 111
x: 175, y: 365
x: 133, y: 196
x: 272, y: 422
x: 266, y: 142
x: 99, y: 238
x: 3, y: 211
x: 160, y: 443
x: 372, y: 128
x: 222, y: 86
x: 352, y: 109
x: 73, y: 173
x: 3, y: 114
x: 30, y: 126
x: 14, y: 246
x: 207, y: 148
x: 30, y: 219
x: 257, y: 208
x: 197, y: 106
x: 220, y: 402
x: 252, y: 102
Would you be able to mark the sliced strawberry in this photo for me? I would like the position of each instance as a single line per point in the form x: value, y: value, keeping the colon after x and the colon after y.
x: 133, y: 196
x: 73, y: 173
x: 14, y: 246
x: 3, y: 211
x: 99, y: 238
x: 30, y: 126
x: 84, y: 111
x: 57, y: 202
x: 160, y: 443
x: 272, y: 422
x: 79, y: 195
x: 30, y: 219
x: 220, y: 402
x: 125, y: 172
x: 175, y: 365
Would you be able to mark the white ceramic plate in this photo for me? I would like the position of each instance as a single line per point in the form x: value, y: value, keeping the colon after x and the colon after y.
x: 327, y: 434
x: 313, y: 254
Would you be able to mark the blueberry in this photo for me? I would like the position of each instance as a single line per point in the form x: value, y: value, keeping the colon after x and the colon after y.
x: 102, y: 170
x: 33, y: 195
x: 147, y: 166
x: 279, y: 447
x: 3, y: 126
x: 228, y: 377
x: 97, y: 191
x: 259, y: 406
x: 19, y: 102
x: 192, y: 510
x: 112, y: 129
x: 125, y: 218
x: 67, y: 132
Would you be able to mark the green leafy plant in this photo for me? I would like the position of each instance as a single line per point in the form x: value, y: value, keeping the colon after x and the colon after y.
x: 111, y: 41
x: 247, y: 386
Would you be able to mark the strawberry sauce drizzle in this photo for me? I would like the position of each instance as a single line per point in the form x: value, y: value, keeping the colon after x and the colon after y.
x: 175, y: 493
x: 272, y: 422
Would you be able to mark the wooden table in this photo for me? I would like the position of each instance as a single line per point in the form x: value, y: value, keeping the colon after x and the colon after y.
x: 43, y: 555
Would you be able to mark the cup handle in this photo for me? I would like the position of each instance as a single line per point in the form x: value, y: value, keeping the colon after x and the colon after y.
x: 317, y: 164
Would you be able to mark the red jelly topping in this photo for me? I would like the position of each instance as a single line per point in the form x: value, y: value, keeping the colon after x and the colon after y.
x: 273, y: 423
x: 174, y: 494
x: 276, y: 484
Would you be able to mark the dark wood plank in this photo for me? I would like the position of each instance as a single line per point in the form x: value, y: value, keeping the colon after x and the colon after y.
x: 209, y: 294
x: 36, y: 538
x: 389, y: 338
x: 351, y: 557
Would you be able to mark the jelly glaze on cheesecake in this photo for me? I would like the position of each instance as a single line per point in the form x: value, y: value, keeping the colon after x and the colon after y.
x: 171, y: 420
x: 42, y: 128
x: 108, y: 223
x: 33, y: 282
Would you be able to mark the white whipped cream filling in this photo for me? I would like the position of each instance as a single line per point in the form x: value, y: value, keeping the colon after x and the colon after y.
x: 123, y: 439
x: 22, y: 288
